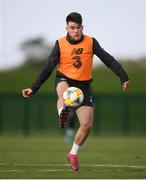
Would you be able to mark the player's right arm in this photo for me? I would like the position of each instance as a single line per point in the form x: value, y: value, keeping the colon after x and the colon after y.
x: 45, y: 73
x: 27, y: 92
x: 48, y: 68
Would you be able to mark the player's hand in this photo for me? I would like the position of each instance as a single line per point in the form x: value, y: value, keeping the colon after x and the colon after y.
x: 27, y: 92
x: 125, y: 85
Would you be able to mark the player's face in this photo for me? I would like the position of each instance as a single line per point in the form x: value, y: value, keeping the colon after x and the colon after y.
x: 75, y: 30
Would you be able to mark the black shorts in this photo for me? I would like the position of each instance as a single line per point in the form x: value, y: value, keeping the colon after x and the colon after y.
x: 83, y: 85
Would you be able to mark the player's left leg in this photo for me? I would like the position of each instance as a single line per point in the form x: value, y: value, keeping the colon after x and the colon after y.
x: 85, y: 116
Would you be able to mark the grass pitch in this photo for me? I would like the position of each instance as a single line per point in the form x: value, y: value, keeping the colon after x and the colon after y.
x: 45, y: 157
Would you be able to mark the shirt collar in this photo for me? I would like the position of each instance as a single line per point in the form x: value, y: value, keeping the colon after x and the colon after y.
x: 70, y: 40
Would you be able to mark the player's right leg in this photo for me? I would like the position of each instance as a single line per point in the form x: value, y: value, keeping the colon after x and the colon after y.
x: 63, y: 110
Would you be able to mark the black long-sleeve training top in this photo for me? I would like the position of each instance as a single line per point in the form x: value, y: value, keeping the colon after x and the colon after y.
x: 54, y: 56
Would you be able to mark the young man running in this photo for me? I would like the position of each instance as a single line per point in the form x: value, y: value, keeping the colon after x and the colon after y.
x: 73, y: 56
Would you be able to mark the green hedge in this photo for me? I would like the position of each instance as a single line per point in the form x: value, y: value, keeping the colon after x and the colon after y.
x: 114, y: 114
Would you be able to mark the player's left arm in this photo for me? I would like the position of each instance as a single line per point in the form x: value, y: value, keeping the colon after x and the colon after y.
x: 118, y: 69
x: 125, y: 85
x: 111, y: 63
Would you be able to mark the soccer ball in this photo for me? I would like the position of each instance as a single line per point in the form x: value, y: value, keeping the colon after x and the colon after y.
x: 73, y: 96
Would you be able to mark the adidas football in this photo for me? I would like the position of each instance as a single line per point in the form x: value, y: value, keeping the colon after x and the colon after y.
x: 73, y: 96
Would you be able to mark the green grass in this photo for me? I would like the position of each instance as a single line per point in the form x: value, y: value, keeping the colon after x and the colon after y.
x: 45, y: 157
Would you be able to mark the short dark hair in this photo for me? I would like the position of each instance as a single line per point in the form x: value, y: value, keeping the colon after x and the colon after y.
x: 74, y: 17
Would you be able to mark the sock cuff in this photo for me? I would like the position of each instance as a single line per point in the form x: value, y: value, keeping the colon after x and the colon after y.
x: 59, y: 111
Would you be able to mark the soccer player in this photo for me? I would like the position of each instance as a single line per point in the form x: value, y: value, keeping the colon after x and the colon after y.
x: 73, y: 56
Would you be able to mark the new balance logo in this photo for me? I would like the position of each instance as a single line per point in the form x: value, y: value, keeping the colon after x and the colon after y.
x: 77, y: 51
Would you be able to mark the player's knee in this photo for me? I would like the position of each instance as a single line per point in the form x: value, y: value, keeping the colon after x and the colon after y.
x: 87, y: 126
x: 61, y: 88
